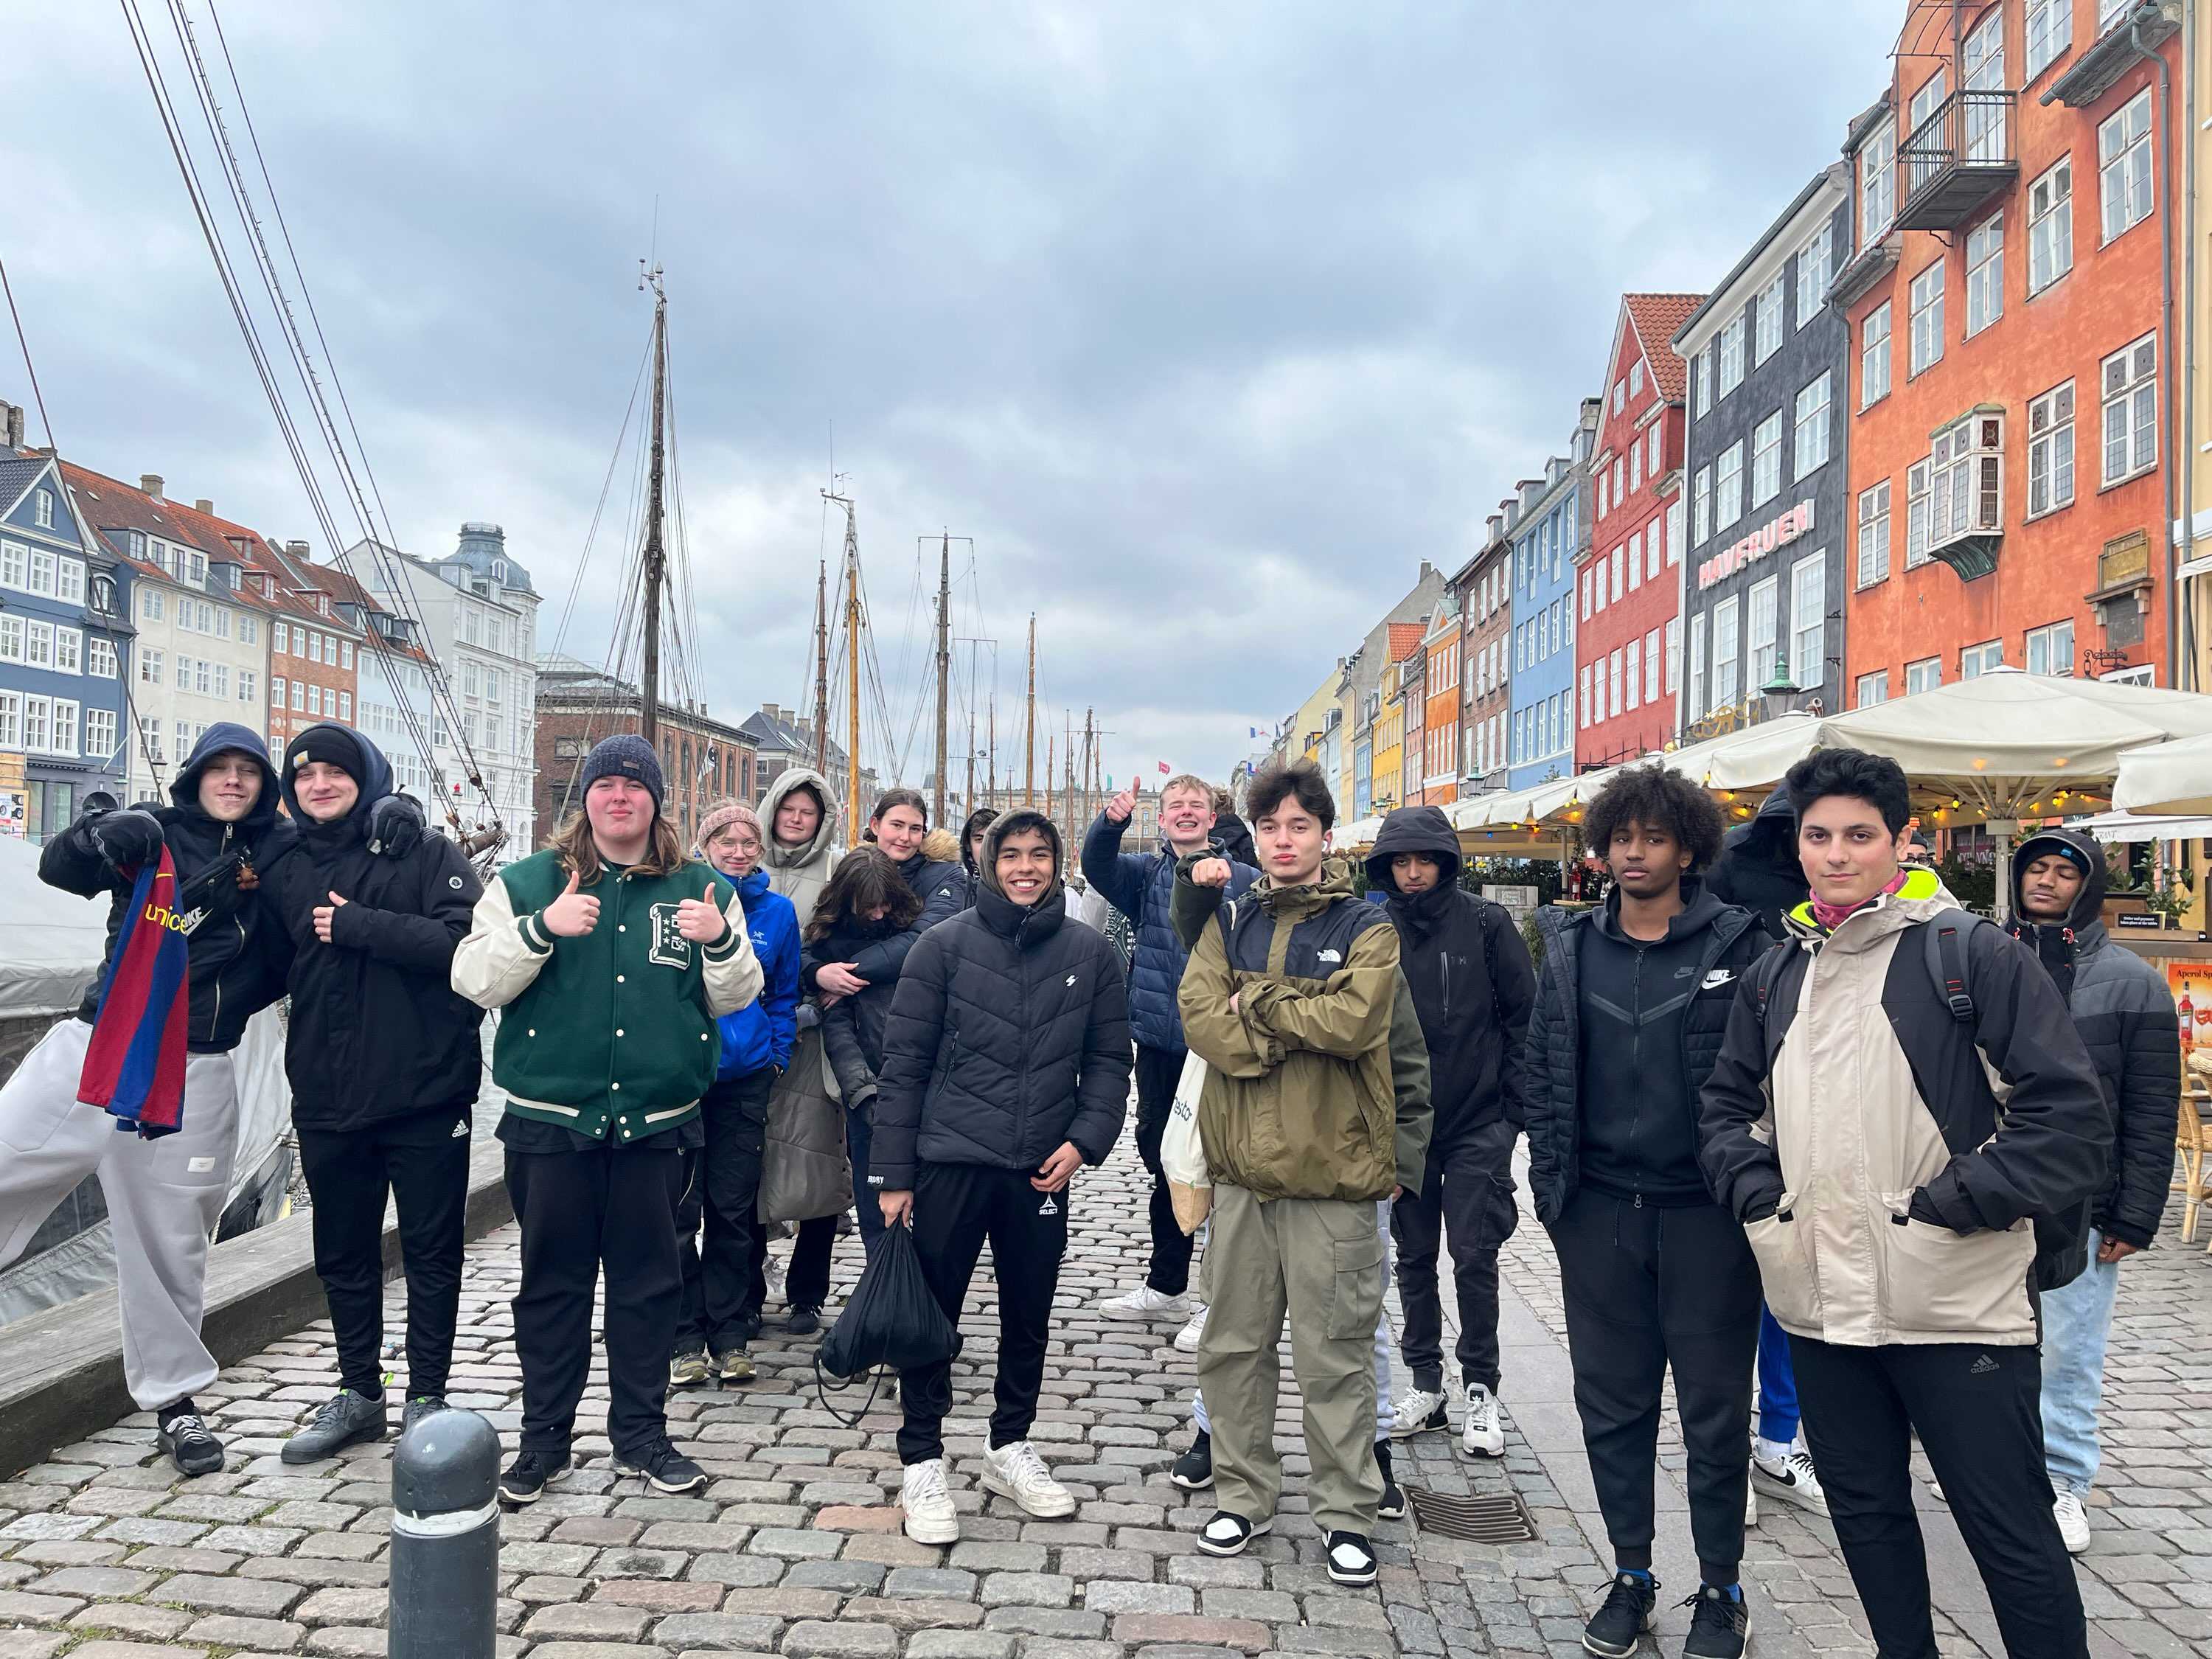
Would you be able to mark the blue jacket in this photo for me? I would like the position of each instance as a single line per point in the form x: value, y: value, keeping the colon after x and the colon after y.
x: 760, y: 1034
x: 1138, y: 885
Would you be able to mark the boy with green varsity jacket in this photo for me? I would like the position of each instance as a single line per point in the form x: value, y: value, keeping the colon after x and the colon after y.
x: 612, y: 956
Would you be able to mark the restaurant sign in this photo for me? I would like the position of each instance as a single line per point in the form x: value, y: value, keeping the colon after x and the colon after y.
x: 1797, y: 521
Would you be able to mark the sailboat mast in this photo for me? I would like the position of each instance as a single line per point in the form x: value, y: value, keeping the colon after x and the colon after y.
x: 656, y: 557
x: 822, y: 666
x: 991, y: 755
x: 852, y: 675
x: 1028, y: 762
x: 944, y: 667
x: 1048, y: 774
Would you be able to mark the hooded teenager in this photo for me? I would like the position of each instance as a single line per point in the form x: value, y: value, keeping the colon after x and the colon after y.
x: 164, y: 1195
x: 801, y: 816
x: 612, y: 956
x: 373, y: 921
x: 1006, y: 1068
x: 2127, y: 1020
x: 1471, y: 980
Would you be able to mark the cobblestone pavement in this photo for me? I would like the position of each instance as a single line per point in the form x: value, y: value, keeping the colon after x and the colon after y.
x: 794, y: 1548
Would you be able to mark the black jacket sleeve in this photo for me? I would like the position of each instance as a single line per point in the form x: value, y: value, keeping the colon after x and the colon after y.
x: 2150, y: 1099
x: 1515, y: 988
x: 1744, y: 1170
x: 1190, y: 907
x: 447, y: 890
x: 2054, y: 1137
x: 841, y: 1038
x: 1120, y: 876
x: 72, y: 861
x: 912, y: 1031
x: 1102, y: 1094
x: 1529, y: 1066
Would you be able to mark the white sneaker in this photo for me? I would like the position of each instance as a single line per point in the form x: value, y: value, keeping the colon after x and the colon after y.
x: 1792, y: 1478
x: 1015, y: 1470
x: 1750, y: 1507
x: 2073, y: 1517
x: 931, y: 1517
x: 773, y: 1272
x: 1483, y: 1436
x: 1145, y: 1302
x: 1188, y: 1338
x: 1418, y: 1413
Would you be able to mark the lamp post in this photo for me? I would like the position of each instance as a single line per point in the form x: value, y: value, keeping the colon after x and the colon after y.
x: 1781, y: 692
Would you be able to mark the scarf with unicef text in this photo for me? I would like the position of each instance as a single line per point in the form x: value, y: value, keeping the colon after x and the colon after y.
x: 134, y: 1066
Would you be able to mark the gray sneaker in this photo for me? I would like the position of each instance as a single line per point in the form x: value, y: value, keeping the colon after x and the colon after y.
x: 422, y: 1406
x: 344, y: 1420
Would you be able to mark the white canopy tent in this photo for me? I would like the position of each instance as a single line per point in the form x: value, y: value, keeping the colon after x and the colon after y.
x: 2173, y: 777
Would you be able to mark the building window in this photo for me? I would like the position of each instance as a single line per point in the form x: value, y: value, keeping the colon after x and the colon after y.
x: 1812, y: 429
x: 1635, y: 560
x: 1968, y: 496
x: 1921, y: 164
x: 1701, y: 508
x: 1585, y: 679
x: 149, y: 604
x: 2129, y: 379
x: 38, y: 647
x: 1617, y: 573
x: 1809, y: 620
x: 1674, y: 655
x: 1651, y: 461
x: 1985, y: 274
x: 1651, y: 666
x: 2050, y: 451
x: 1731, y: 354
x: 2051, y: 228
x: 246, y: 681
x: 149, y: 667
x: 1636, y: 464
x: 280, y: 640
x: 1767, y: 338
x: 1651, y: 548
x: 1975, y: 660
x: 2049, y: 31
x: 99, y: 733
x: 299, y: 696
x: 1765, y: 619
x: 1915, y: 516
x: 1727, y: 640
x: 2050, y: 649
x: 1705, y: 380
x: 1636, y: 378
x: 222, y: 679
x: 1619, y: 396
x: 1923, y: 676
x: 1620, y: 481
x: 11, y: 638
x: 1928, y: 318
x: 1870, y: 689
x: 1728, y: 486
x: 1816, y: 265
x: 42, y: 512
x: 1874, y: 355
x: 1632, y: 672
x: 38, y: 722
x: 43, y: 577
x: 70, y: 582
x: 2123, y: 167
x: 1612, y: 680
x: 345, y: 654
x: 249, y: 629
x: 1695, y: 705
x: 1766, y: 459
x: 1873, y: 535
x: 277, y: 691
x: 1878, y: 182
x: 99, y: 659
x: 1981, y: 56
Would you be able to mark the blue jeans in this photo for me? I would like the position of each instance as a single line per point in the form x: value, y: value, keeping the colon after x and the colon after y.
x: 2076, y: 1320
x: 1777, y: 1382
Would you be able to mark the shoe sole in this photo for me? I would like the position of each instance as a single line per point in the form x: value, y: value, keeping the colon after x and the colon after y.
x: 1176, y: 1477
x: 1157, y: 1316
x: 1484, y: 1450
x: 286, y: 1454
x: 1651, y: 1623
x: 1768, y: 1486
x: 676, y: 1381
x: 747, y: 1375
x: 1382, y: 1514
x: 630, y: 1471
x: 1182, y: 1346
x: 992, y: 1482
x: 1427, y: 1425
x: 522, y: 1499
x: 191, y: 1473
x: 1208, y: 1547
x: 1353, y: 1580
x: 932, y: 1532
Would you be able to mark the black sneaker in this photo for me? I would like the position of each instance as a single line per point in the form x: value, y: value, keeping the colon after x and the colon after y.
x: 346, y: 1418
x: 191, y: 1447
x: 1392, y: 1506
x: 1227, y: 1534
x: 422, y: 1406
x: 804, y: 1320
x: 661, y: 1466
x: 1720, y: 1628
x: 528, y: 1477
x: 1350, y: 1560
x: 1194, y: 1470
x: 1631, y: 1609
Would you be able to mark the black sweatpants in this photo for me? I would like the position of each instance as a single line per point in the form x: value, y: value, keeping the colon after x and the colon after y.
x: 1976, y: 1412
x: 610, y: 1208
x: 1647, y: 1289
x: 723, y: 1282
x: 1159, y: 1071
x: 957, y: 1206
x: 1465, y: 1195
x: 421, y: 1160
x: 806, y: 1285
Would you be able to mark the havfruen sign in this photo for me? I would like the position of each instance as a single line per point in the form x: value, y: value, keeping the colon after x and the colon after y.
x: 1797, y: 521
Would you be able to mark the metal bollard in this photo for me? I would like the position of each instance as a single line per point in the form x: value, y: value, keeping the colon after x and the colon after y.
x: 445, y: 1539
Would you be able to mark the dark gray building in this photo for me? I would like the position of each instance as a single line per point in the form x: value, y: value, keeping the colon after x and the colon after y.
x: 1770, y: 524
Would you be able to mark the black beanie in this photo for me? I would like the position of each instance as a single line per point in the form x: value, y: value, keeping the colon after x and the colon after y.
x: 625, y: 754
x: 331, y: 745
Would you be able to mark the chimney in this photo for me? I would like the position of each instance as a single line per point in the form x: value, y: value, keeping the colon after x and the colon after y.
x: 150, y: 484
x: 11, y: 425
x: 300, y: 551
x: 203, y: 505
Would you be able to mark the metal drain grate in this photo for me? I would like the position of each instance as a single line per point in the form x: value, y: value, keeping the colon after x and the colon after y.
x: 1487, y: 1518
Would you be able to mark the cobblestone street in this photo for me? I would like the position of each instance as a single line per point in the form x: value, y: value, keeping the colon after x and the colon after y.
x: 795, y: 1549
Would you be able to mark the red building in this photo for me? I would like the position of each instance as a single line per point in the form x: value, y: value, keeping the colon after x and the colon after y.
x: 2013, y: 350
x: 1628, y: 583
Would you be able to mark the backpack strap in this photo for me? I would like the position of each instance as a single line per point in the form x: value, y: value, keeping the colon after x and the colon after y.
x: 1494, y: 916
x: 1942, y: 937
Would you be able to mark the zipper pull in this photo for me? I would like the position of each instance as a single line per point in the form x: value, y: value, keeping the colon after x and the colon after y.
x: 1639, y: 1200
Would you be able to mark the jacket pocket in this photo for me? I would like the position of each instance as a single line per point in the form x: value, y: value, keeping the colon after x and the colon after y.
x: 1954, y: 1285
x: 1356, y: 1287
x: 1782, y: 1244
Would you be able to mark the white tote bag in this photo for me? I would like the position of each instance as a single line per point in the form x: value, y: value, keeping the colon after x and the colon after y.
x: 1183, y: 1157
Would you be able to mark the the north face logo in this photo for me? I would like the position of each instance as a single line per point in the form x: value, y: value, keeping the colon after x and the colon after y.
x: 669, y: 949
x: 1328, y: 956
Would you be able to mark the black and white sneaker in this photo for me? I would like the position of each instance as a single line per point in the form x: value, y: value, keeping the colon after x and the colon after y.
x: 1194, y: 1470
x: 1350, y: 1560
x: 1392, y: 1505
x: 1721, y: 1627
x: 1227, y: 1534
x: 185, y: 1437
x: 662, y: 1467
x: 1630, y: 1607
x: 528, y: 1477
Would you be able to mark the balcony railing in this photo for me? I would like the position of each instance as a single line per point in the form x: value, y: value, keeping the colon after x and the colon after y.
x: 1956, y: 160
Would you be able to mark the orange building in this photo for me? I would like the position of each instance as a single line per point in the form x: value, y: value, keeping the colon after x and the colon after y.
x: 1440, y: 722
x: 2012, y: 346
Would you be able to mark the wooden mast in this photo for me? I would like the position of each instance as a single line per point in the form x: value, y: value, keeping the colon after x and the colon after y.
x: 656, y: 557
x: 822, y: 666
x: 1029, y: 764
x: 944, y: 668
x: 852, y: 624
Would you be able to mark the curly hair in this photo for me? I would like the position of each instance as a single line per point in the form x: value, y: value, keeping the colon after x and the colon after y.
x: 864, y: 878
x: 1659, y: 800
x: 982, y: 819
x: 1875, y: 779
x: 1300, y: 780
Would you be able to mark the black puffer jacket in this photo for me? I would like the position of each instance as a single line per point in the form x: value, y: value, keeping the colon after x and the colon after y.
x: 1759, y: 869
x: 236, y: 954
x: 376, y: 1029
x: 1009, y: 1036
x: 853, y: 1026
x: 1550, y: 1080
x: 1468, y: 971
x: 2127, y: 1022
x: 942, y: 886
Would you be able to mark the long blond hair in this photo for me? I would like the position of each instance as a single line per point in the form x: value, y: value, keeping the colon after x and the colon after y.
x: 664, y: 851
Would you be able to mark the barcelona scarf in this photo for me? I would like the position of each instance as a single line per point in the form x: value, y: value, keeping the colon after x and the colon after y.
x: 134, y: 1066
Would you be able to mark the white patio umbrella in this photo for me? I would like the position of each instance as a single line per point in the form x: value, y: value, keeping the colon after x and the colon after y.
x: 2173, y: 777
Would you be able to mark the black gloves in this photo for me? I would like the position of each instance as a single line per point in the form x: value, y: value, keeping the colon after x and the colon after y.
x: 128, y: 839
x: 395, y: 825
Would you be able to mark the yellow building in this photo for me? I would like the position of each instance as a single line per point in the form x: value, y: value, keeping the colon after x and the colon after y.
x: 2192, y: 507
x: 1389, y: 746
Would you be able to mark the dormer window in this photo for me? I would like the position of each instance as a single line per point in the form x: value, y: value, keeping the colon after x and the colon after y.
x: 43, y: 509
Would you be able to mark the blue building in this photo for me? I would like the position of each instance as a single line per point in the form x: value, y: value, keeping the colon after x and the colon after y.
x: 1549, y: 523
x: 64, y: 649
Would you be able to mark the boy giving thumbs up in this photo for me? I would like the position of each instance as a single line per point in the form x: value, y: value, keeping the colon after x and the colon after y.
x: 611, y: 956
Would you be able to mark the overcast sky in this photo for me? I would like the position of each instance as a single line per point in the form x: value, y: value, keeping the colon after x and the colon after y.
x: 1208, y: 322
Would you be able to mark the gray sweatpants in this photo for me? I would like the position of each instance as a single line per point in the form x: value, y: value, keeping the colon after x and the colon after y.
x: 164, y: 1197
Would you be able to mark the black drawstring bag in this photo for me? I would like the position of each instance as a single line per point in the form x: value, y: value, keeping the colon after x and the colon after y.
x: 891, y: 1319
